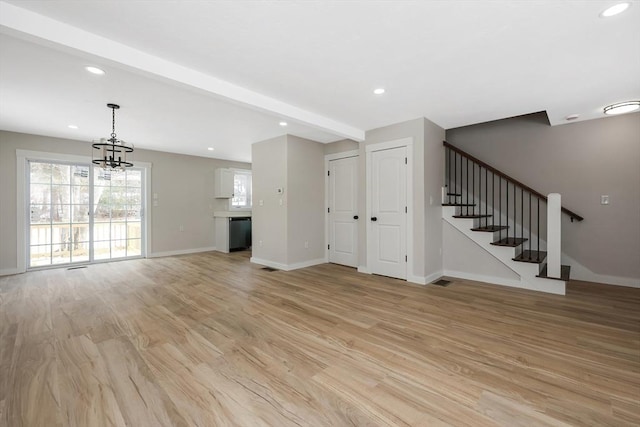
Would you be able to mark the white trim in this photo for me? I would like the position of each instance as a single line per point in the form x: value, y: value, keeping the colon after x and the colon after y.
x: 363, y: 269
x: 146, y: 207
x: 328, y: 158
x: 584, y: 274
x: 9, y: 271
x: 369, y: 149
x: 389, y: 144
x: 181, y: 252
x: 426, y: 279
x: 491, y: 280
x: 19, y: 21
x: 288, y: 267
x: 627, y: 282
x: 21, y: 212
x: 341, y: 155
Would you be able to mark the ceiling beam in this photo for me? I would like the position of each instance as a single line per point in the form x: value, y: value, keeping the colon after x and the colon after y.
x: 41, y: 29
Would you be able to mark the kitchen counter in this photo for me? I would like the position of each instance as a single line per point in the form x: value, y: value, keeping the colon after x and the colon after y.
x: 232, y: 214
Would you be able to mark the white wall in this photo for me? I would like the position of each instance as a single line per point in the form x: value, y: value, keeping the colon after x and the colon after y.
x: 184, y: 185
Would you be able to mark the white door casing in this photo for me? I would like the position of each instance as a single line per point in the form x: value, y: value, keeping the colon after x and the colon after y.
x: 387, y: 219
x: 343, y: 211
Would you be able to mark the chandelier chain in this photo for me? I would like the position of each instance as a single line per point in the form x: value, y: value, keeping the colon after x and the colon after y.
x: 113, y: 122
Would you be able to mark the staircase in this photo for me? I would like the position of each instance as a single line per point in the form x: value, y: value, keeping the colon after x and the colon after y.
x: 507, y: 219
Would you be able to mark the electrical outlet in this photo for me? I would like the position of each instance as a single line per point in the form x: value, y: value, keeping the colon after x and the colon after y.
x: 306, y: 245
x: 260, y: 243
x: 181, y: 227
x: 261, y: 203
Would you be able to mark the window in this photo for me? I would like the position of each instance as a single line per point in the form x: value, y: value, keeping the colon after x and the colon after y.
x: 241, y: 190
x: 79, y: 213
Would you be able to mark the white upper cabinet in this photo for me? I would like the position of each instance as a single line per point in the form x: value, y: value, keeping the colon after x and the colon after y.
x: 223, y: 185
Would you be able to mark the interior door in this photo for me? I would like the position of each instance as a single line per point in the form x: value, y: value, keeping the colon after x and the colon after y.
x: 343, y: 211
x: 388, y: 221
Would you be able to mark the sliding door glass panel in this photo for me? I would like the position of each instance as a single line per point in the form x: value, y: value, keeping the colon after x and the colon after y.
x: 117, y: 213
x: 58, y: 209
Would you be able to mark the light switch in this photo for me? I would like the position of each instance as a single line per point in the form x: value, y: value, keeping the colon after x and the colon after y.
x: 604, y: 199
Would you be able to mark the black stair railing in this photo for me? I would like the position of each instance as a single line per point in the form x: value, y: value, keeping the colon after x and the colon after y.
x: 465, y: 178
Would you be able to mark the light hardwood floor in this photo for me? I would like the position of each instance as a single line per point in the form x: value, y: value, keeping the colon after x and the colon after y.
x: 210, y: 339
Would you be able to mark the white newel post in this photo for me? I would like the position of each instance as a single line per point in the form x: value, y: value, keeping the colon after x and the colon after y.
x: 553, y: 235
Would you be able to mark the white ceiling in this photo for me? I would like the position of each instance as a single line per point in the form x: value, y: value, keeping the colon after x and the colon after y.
x: 223, y: 73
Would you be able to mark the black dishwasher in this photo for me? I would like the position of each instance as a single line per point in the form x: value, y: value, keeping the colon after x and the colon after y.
x: 239, y: 233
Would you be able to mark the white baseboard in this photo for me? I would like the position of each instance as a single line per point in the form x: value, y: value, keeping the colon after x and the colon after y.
x: 582, y: 273
x: 433, y: 276
x: 287, y: 267
x: 363, y: 269
x: 485, y: 279
x: 607, y: 280
x: 181, y: 252
x: 418, y: 280
x: 9, y: 271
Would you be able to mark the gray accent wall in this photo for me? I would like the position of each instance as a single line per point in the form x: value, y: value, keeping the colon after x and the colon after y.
x: 340, y: 146
x: 581, y: 161
x: 290, y: 224
x: 184, y: 185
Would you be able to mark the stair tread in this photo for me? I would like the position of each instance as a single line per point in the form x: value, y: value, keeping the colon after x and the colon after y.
x: 454, y: 194
x: 458, y: 204
x: 490, y: 228
x: 565, y: 273
x: 472, y: 216
x: 531, y: 256
x: 510, y: 241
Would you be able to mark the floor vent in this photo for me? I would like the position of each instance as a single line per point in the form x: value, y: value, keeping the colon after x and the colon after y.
x: 441, y: 282
x: 75, y: 268
x: 269, y: 269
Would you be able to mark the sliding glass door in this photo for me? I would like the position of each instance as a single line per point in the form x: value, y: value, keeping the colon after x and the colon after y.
x: 79, y: 213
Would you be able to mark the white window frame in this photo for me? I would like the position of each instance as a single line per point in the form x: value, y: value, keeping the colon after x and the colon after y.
x: 250, y: 192
x: 22, y: 167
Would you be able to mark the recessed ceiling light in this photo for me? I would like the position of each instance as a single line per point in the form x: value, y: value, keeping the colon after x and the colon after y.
x: 94, y: 70
x: 210, y: 149
x: 72, y: 127
x: 378, y: 91
x: 615, y: 9
x: 622, y: 107
x: 283, y: 123
x: 572, y: 117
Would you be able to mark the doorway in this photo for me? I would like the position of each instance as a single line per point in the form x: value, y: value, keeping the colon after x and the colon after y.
x: 389, y: 208
x: 79, y: 213
x: 342, y: 210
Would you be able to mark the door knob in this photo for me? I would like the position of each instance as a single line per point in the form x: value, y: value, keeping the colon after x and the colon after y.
x: 374, y: 218
x: 355, y: 217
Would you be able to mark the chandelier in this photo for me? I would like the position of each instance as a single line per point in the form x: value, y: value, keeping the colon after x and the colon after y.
x: 111, y: 153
